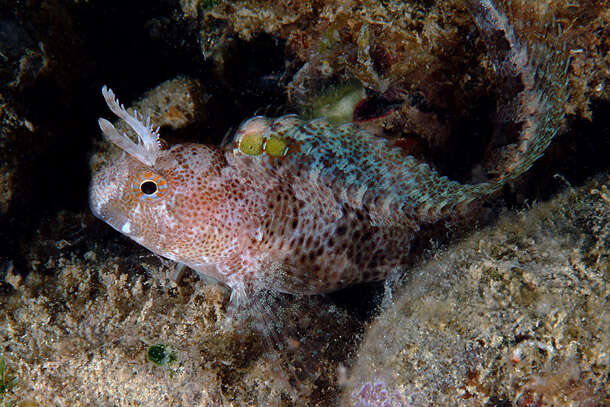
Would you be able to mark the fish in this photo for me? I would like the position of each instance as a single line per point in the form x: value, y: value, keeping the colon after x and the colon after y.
x: 306, y: 206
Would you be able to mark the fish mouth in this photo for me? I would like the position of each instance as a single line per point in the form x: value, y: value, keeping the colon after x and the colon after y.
x: 104, y: 192
x: 101, y: 207
x: 100, y: 193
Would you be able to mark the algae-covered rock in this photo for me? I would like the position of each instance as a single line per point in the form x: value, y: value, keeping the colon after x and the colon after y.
x: 517, y: 314
x: 424, y: 49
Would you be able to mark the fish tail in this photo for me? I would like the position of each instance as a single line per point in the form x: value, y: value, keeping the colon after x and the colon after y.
x: 534, y: 78
x: 534, y: 89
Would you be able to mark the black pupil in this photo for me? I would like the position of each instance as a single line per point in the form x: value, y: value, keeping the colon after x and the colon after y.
x: 148, y: 187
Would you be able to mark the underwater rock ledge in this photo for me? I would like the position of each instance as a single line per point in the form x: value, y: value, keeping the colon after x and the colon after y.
x: 517, y: 314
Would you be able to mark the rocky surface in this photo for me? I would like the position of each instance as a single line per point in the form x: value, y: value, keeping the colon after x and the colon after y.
x: 515, y: 315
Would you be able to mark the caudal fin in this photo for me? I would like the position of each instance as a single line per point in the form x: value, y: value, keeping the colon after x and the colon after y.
x: 534, y: 81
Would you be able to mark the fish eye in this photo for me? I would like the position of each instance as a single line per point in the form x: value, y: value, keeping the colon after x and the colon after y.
x: 148, y: 187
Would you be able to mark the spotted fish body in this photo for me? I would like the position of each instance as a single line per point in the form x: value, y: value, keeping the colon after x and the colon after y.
x: 303, y: 206
x: 296, y: 222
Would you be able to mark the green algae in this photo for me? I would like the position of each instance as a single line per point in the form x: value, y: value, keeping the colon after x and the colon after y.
x: 336, y: 103
x: 209, y: 4
x: 7, y: 382
x: 161, y: 355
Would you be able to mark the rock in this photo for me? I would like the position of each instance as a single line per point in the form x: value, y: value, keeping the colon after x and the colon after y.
x: 516, y: 314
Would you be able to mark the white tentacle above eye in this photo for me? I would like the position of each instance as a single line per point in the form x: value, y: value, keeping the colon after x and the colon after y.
x: 148, y: 147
